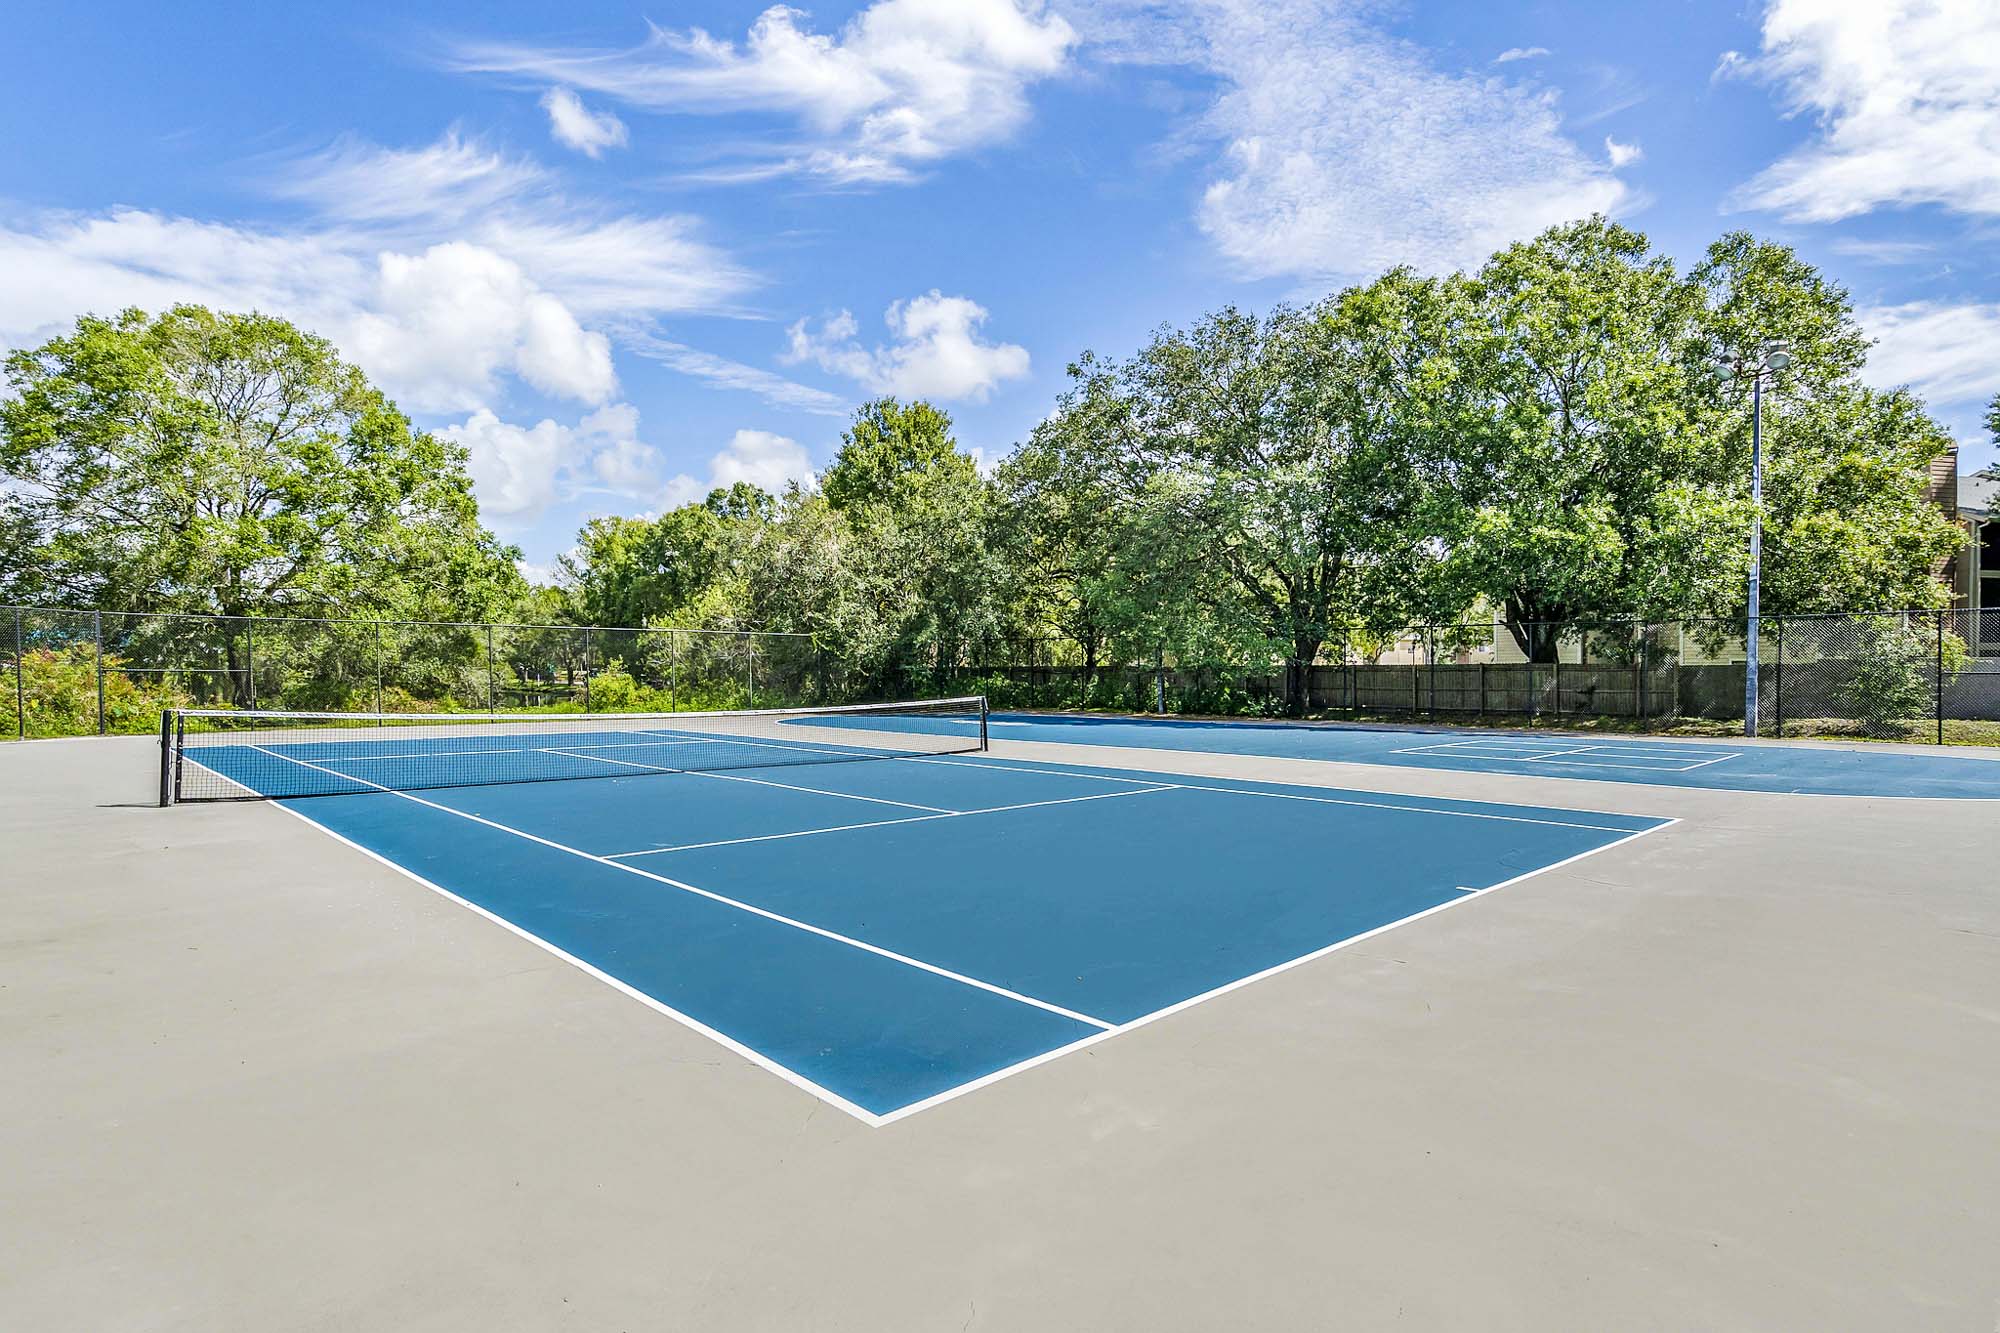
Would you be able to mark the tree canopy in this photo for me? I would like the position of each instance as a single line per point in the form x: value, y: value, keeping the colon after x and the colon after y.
x: 236, y: 465
x: 1550, y: 440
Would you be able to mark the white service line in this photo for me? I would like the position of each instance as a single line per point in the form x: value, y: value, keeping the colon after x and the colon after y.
x: 1278, y: 795
x: 723, y: 899
x: 882, y: 823
x: 1465, y: 896
x: 762, y: 782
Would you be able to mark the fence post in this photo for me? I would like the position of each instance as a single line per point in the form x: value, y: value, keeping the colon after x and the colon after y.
x: 378, y: 668
x: 1940, y: 676
x: 1778, y: 704
x: 97, y: 624
x: 492, y: 705
x: 1160, y: 683
x: 586, y: 668
x: 1559, y: 678
x: 250, y: 660
x: 20, y: 682
x: 673, y: 674
x: 750, y: 677
x: 1482, y: 689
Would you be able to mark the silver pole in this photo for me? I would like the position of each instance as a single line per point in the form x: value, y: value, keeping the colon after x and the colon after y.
x: 1756, y: 550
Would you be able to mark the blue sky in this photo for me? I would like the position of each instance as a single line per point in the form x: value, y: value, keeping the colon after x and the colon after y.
x: 623, y: 254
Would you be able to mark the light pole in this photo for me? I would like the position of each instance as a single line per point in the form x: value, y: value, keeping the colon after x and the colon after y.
x: 1768, y: 360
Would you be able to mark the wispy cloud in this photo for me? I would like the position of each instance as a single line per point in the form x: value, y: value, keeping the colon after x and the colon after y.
x: 936, y: 350
x: 358, y: 181
x: 1513, y: 53
x: 904, y: 82
x: 1344, y: 151
x: 722, y: 373
x: 442, y: 270
x: 1905, y: 100
x: 575, y: 125
x: 1942, y: 351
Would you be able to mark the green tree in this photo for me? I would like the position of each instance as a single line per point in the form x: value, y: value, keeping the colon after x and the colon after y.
x: 1055, y: 530
x: 887, y: 449
x: 640, y: 571
x: 232, y: 464
x: 1608, y: 473
x: 1262, y: 476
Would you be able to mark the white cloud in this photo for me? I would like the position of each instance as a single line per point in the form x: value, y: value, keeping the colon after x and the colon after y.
x: 756, y: 456
x: 444, y: 323
x: 1944, y: 353
x: 904, y: 81
x: 1513, y: 53
x: 514, y: 468
x: 519, y: 471
x: 1622, y: 154
x: 936, y: 354
x: 1905, y: 100
x: 575, y: 125
x: 440, y: 271
x: 1345, y: 152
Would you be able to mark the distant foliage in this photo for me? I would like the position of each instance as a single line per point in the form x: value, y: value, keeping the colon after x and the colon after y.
x: 59, y: 686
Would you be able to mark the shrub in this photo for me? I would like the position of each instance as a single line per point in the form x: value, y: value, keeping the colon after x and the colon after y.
x: 59, y: 686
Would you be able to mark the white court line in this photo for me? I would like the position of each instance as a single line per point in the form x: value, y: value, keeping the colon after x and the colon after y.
x: 1272, y: 795
x: 881, y: 823
x: 830, y: 1097
x: 763, y: 782
x: 511, y: 749
x: 1466, y: 896
x: 723, y: 899
x: 1543, y: 756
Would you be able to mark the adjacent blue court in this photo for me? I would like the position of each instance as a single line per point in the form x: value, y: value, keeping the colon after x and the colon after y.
x: 1655, y: 761
x: 890, y: 932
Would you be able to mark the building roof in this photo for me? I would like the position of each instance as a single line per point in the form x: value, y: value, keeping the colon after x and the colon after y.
x: 1979, y: 494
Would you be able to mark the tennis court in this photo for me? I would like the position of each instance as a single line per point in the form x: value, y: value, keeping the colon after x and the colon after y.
x: 891, y: 924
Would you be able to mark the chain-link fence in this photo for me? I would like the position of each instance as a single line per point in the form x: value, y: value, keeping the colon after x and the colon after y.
x: 75, y: 673
x: 1914, y: 675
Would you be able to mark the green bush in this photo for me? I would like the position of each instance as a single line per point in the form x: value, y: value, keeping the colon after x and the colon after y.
x: 59, y: 686
x: 1895, y: 671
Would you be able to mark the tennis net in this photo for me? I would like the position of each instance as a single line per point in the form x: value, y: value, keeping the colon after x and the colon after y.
x: 223, y: 755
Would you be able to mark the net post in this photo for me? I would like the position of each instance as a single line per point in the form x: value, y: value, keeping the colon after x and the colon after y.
x: 180, y: 749
x: 166, y: 757
x: 982, y: 723
x: 1940, y: 676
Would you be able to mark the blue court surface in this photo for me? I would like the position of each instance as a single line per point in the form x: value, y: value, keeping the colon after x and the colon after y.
x: 891, y: 932
x: 1653, y: 761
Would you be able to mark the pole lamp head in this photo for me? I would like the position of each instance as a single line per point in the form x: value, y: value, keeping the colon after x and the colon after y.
x: 1777, y: 357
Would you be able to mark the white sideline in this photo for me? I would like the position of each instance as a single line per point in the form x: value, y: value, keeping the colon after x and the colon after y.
x: 1271, y: 795
x: 1466, y: 896
x: 723, y: 899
